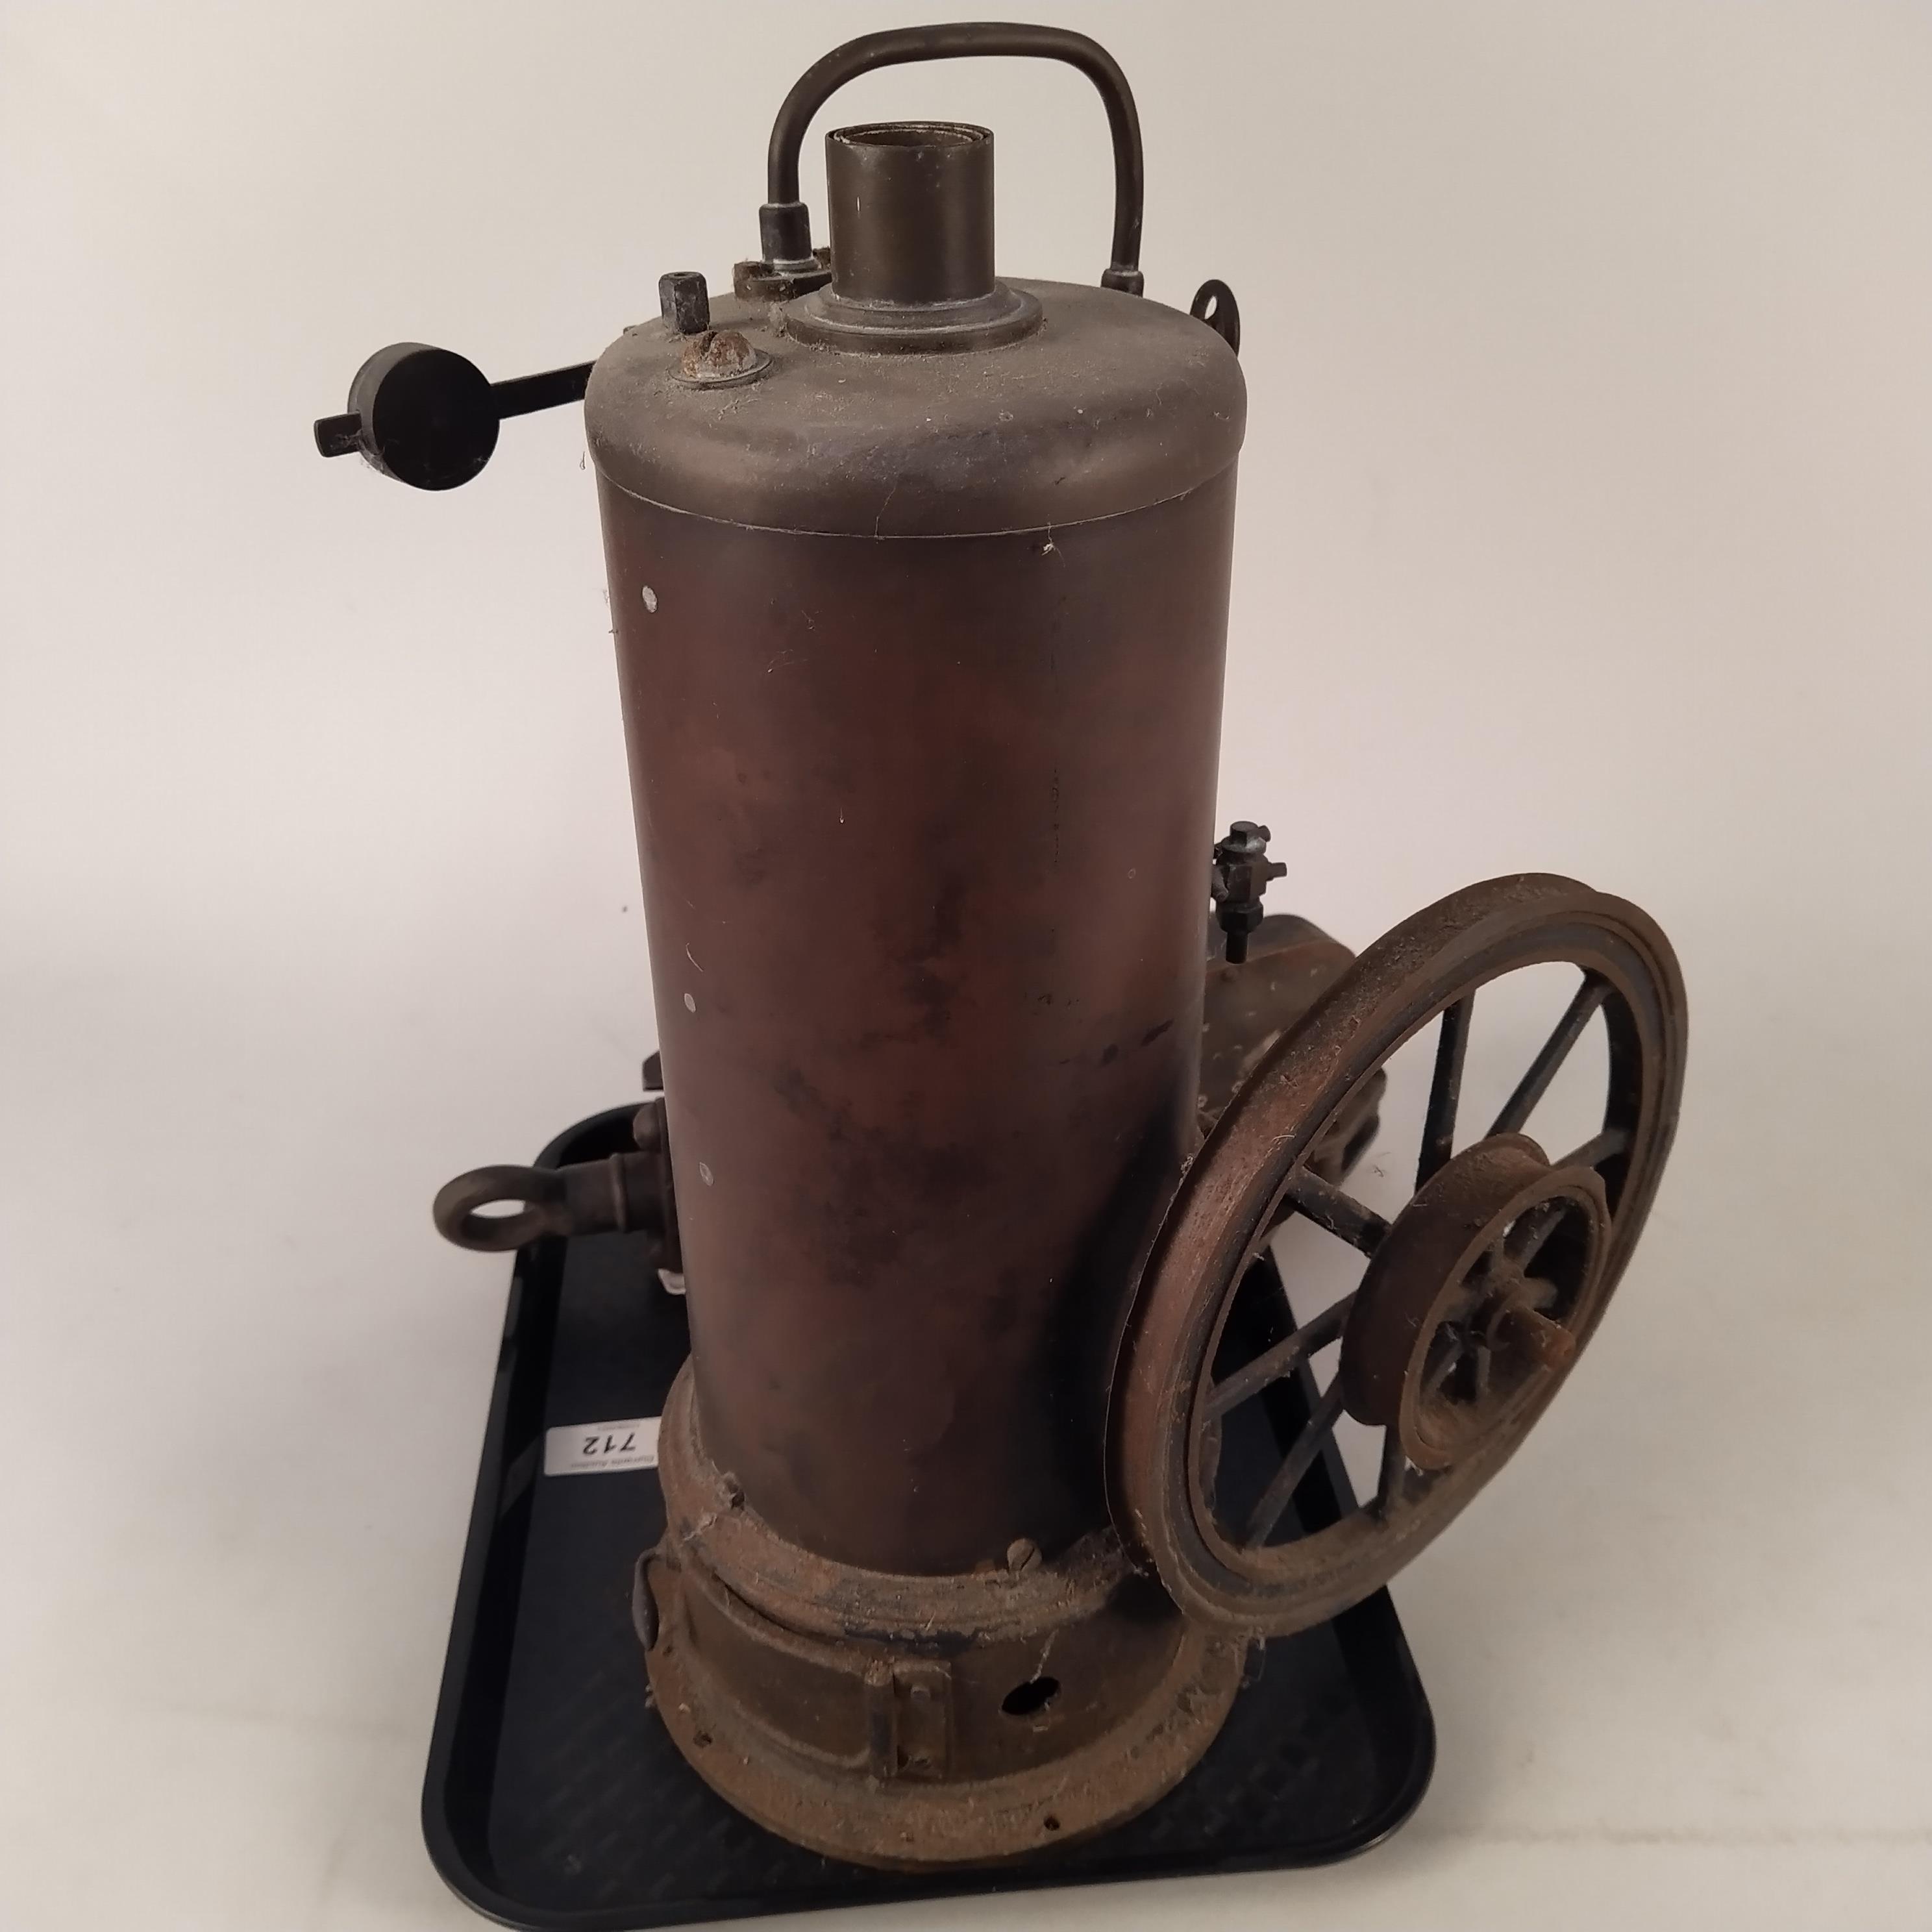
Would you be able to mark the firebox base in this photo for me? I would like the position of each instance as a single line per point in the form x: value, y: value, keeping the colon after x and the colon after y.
x: 909, y: 1722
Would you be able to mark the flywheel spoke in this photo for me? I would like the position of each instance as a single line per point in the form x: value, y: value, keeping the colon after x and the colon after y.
x: 1445, y: 1089
x: 1342, y: 1214
x: 1444, y: 1366
x: 1394, y: 1474
x: 1543, y: 1070
x: 1527, y: 1237
x: 1598, y: 1149
x: 1550, y: 1343
x: 1275, y: 1498
x: 1270, y: 1366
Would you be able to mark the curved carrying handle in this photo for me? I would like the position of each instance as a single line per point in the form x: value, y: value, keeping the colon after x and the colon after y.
x: 785, y: 224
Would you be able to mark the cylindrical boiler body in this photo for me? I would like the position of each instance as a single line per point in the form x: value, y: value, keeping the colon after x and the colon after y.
x: 924, y: 818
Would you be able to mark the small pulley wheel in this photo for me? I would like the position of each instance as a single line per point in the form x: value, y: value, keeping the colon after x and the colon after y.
x: 1477, y: 1295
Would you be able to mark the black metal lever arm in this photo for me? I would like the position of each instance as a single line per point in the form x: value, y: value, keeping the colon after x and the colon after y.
x: 428, y: 417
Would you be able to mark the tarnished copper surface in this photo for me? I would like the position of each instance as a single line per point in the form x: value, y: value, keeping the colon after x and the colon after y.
x: 1114, y: 402
x: 924, y: 827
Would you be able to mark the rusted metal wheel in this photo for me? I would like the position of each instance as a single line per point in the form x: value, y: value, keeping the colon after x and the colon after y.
x: 1477, y: 1295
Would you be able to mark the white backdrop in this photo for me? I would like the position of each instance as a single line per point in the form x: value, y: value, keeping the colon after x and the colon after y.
x: 1586, y: 524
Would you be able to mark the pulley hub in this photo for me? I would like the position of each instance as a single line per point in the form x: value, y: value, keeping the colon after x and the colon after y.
x: 1474, y: 1298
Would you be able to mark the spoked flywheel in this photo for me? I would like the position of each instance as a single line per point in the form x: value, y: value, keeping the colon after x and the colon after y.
x: 1476, y: 1297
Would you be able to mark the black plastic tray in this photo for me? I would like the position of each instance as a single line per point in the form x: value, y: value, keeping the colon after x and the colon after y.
x: 555, y: 1798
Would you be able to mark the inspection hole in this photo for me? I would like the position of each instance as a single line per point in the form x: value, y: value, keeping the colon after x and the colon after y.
x: 1023, y: 1699
x: 1051, y: 1823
